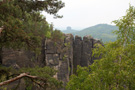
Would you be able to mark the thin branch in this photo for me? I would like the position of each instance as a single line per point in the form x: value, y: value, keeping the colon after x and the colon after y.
x: 37, y: 83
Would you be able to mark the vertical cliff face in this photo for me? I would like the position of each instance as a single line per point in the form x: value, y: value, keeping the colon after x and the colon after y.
x: 86, y: 50
x: 82, y: 51
x: 63, y: 55
x: 60, y: 56
x: 77, y: 52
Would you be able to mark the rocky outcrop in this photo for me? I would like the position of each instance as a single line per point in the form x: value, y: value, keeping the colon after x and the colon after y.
x: 60, y: 56
x: 19, y: 58
x: 63, y: 55
x: 86, y: 51
x: 82, y: 51
x: 77, y: 52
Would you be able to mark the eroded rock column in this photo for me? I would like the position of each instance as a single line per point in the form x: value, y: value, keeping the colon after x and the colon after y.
x: 77, y: 52
x: 59, y: 55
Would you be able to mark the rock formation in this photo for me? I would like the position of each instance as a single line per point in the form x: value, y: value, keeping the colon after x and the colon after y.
x: 63, y: 55
x: 82, y: 51
x: 60, y: 56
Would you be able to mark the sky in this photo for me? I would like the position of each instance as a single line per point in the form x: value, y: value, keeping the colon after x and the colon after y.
x: 80, y: 14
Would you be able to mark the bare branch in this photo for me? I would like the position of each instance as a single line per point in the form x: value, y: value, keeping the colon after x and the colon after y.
x: 19, y: 77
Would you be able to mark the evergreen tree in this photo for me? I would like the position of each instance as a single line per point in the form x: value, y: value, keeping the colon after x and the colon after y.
x: 23, y: 26
x: 21, y: 23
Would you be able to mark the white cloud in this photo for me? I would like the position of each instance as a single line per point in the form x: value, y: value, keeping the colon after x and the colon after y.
x: 85, y: 13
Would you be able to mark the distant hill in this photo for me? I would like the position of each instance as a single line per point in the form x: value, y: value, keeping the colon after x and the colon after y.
x: 69, y: 30
x: 100, y: 31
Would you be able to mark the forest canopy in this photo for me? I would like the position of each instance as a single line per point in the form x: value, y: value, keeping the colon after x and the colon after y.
x: 116, y: 69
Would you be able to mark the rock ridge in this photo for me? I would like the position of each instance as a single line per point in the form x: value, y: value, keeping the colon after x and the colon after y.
x: 63, y: 55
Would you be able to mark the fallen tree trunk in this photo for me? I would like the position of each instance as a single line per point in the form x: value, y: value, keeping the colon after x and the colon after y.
x: 19, y: 77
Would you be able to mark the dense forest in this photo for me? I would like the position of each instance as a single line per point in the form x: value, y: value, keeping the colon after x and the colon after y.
x: 22, y: 26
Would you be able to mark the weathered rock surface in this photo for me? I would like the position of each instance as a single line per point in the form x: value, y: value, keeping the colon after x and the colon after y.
x: 62, y: 55
x: 82, y: 49
x: 19, y: 58
x: 86, y: 51
x: 77, y: 52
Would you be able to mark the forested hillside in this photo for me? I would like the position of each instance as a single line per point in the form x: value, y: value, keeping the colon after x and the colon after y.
x: 100, y: 31
x: 116, y: 69
x: 69, y: 31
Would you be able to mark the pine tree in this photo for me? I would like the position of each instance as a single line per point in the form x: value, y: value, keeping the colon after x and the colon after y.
x: 21, y: 23
x: 23, y: 26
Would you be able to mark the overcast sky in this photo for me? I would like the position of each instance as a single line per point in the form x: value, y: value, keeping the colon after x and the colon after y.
x: 80, y: 14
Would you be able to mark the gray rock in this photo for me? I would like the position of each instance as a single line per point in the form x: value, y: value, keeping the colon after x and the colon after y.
x: 63, y: 55
x: 77, y: 52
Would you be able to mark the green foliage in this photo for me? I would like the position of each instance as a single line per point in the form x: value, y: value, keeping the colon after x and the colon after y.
x: 57, y: 35
x: 4, y: 72
x: 100, y: 31
x: 23, y: 25
x: 64, y: 57
x: 45, y: 73
x: 67, y: 44
x: 116, y: 69
x: 76, y: 81
x: 126, y: 33
x: 3, y: 88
